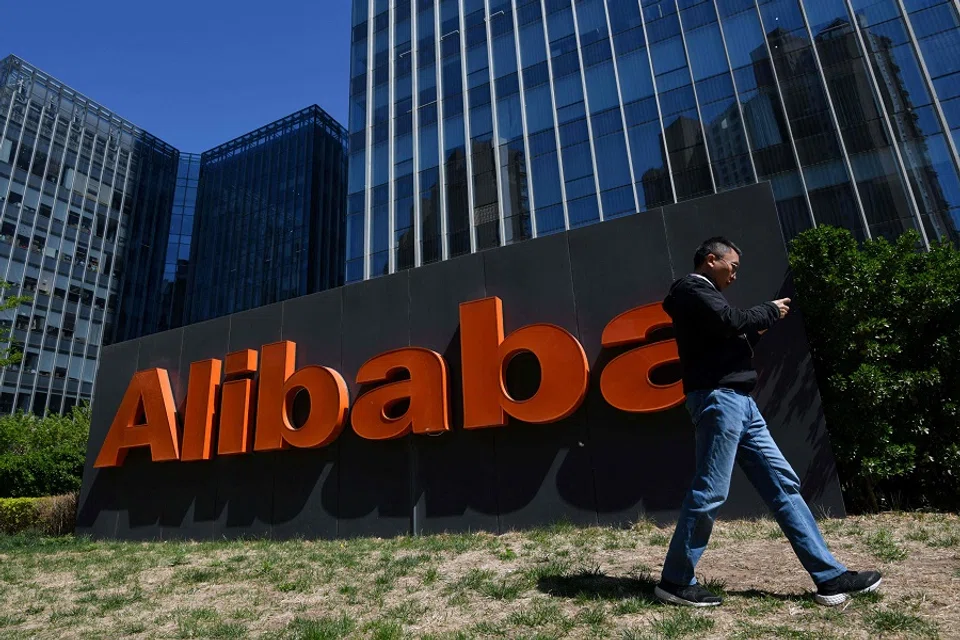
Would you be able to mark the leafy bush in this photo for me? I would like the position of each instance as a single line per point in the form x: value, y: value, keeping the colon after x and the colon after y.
x: 884, y: 327
x: 19, y: 514
x: 42, y: 456
x: 53, y: 515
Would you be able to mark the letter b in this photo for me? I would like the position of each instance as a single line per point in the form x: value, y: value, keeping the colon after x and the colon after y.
x: 486, y: 354
x: 278, y: 386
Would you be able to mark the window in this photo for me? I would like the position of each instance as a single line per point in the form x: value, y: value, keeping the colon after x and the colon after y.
x: 707, y: 56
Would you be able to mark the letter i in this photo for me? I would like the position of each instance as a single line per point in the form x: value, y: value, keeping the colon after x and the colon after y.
x: 236, y: 403
x: 199, y: 414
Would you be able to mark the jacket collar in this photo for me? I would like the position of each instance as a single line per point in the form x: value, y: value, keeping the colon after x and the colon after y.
x: 703, y: 277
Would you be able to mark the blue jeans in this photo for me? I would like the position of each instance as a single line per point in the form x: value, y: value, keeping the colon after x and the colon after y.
x: 729, y: 427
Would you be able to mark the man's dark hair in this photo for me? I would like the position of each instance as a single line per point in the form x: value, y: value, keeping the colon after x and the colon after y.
x: 718, y: 246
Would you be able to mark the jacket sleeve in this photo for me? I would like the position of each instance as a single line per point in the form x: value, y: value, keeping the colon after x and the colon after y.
x: 710, y: 305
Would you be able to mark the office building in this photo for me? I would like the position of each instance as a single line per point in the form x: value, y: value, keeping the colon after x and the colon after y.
x: 114, y: 234
x: 145, y: 242
x: 478, y: 123
x: 81, y: 191
x: 177, y: 260
x: 270, y: 210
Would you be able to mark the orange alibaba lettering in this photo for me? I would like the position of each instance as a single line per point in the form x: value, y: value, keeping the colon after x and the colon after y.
x: 486, y: 353
x: 256, y: 413
x: 279, y: 385
x: 425, y: 391
x: 279, y: 360
x: 625, y: 381
x: 146, y: 418
x: 236, y: 403
x: 201, y: 407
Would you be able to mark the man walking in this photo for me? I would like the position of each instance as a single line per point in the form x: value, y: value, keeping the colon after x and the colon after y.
x: 715, y: 342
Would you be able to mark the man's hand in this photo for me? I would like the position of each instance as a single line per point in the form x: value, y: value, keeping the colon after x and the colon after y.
x: 783, y: 305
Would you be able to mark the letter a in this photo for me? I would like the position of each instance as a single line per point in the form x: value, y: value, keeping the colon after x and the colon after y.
x: 625, y: 381
x: 426, y: 391
x: 146, y: 418
x: 486, y: 353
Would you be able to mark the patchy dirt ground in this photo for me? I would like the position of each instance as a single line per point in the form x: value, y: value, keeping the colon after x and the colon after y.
x: 550, y: 583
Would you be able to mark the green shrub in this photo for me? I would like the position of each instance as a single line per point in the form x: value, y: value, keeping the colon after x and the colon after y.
x: 42, y: 456
x: 884, y: 326
x: 19, y: 514
x: 52, y: 515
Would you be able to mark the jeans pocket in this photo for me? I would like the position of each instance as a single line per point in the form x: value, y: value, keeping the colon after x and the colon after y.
x: 696, y: 401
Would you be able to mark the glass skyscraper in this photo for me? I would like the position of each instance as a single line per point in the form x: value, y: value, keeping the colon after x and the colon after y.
x: 144, y: 245
x: 177, y: 260
x: 113, y: 234
x: 153, y: 283
x: 477, y: 123
x: 269, y: 221
x: 80, y: 191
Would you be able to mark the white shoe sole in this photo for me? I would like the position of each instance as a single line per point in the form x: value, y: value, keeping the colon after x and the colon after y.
x: 669, y: 598
x: 840, y: 598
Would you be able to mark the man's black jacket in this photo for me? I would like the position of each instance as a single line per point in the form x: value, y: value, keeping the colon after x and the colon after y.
x: 715, y: 340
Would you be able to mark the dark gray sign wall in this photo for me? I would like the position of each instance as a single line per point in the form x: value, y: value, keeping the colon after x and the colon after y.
x: 600, y: 465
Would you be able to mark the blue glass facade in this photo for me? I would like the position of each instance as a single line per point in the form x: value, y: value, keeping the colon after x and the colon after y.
x: 269, y: 217
x: 177, y: 260
x: 477, y: 123
x: 143, y: 247
x: 114, y: 234
x: 83, y: 195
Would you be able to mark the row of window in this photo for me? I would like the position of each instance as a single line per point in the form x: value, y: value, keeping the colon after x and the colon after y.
x: 810, y: 105
x: 40, y: 402
x: 285, y: 212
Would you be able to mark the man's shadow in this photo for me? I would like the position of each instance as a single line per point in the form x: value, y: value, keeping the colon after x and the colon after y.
x: 594, y: 585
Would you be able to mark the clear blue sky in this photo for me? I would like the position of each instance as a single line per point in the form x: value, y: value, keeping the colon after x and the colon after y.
x: 193, y: 73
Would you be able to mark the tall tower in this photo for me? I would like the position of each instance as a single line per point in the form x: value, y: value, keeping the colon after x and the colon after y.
x: 84, y: 194
x: 478, y: 123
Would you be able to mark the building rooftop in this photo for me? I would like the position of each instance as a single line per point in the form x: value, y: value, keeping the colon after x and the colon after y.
x: 91, y: 106
x: 311, y: 114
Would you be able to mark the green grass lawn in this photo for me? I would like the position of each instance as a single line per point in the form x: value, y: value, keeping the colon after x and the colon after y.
x: 559, y: 582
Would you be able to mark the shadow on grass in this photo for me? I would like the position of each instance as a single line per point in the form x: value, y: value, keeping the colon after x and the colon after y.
x: 595, y: 585
x: 757, y: 594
